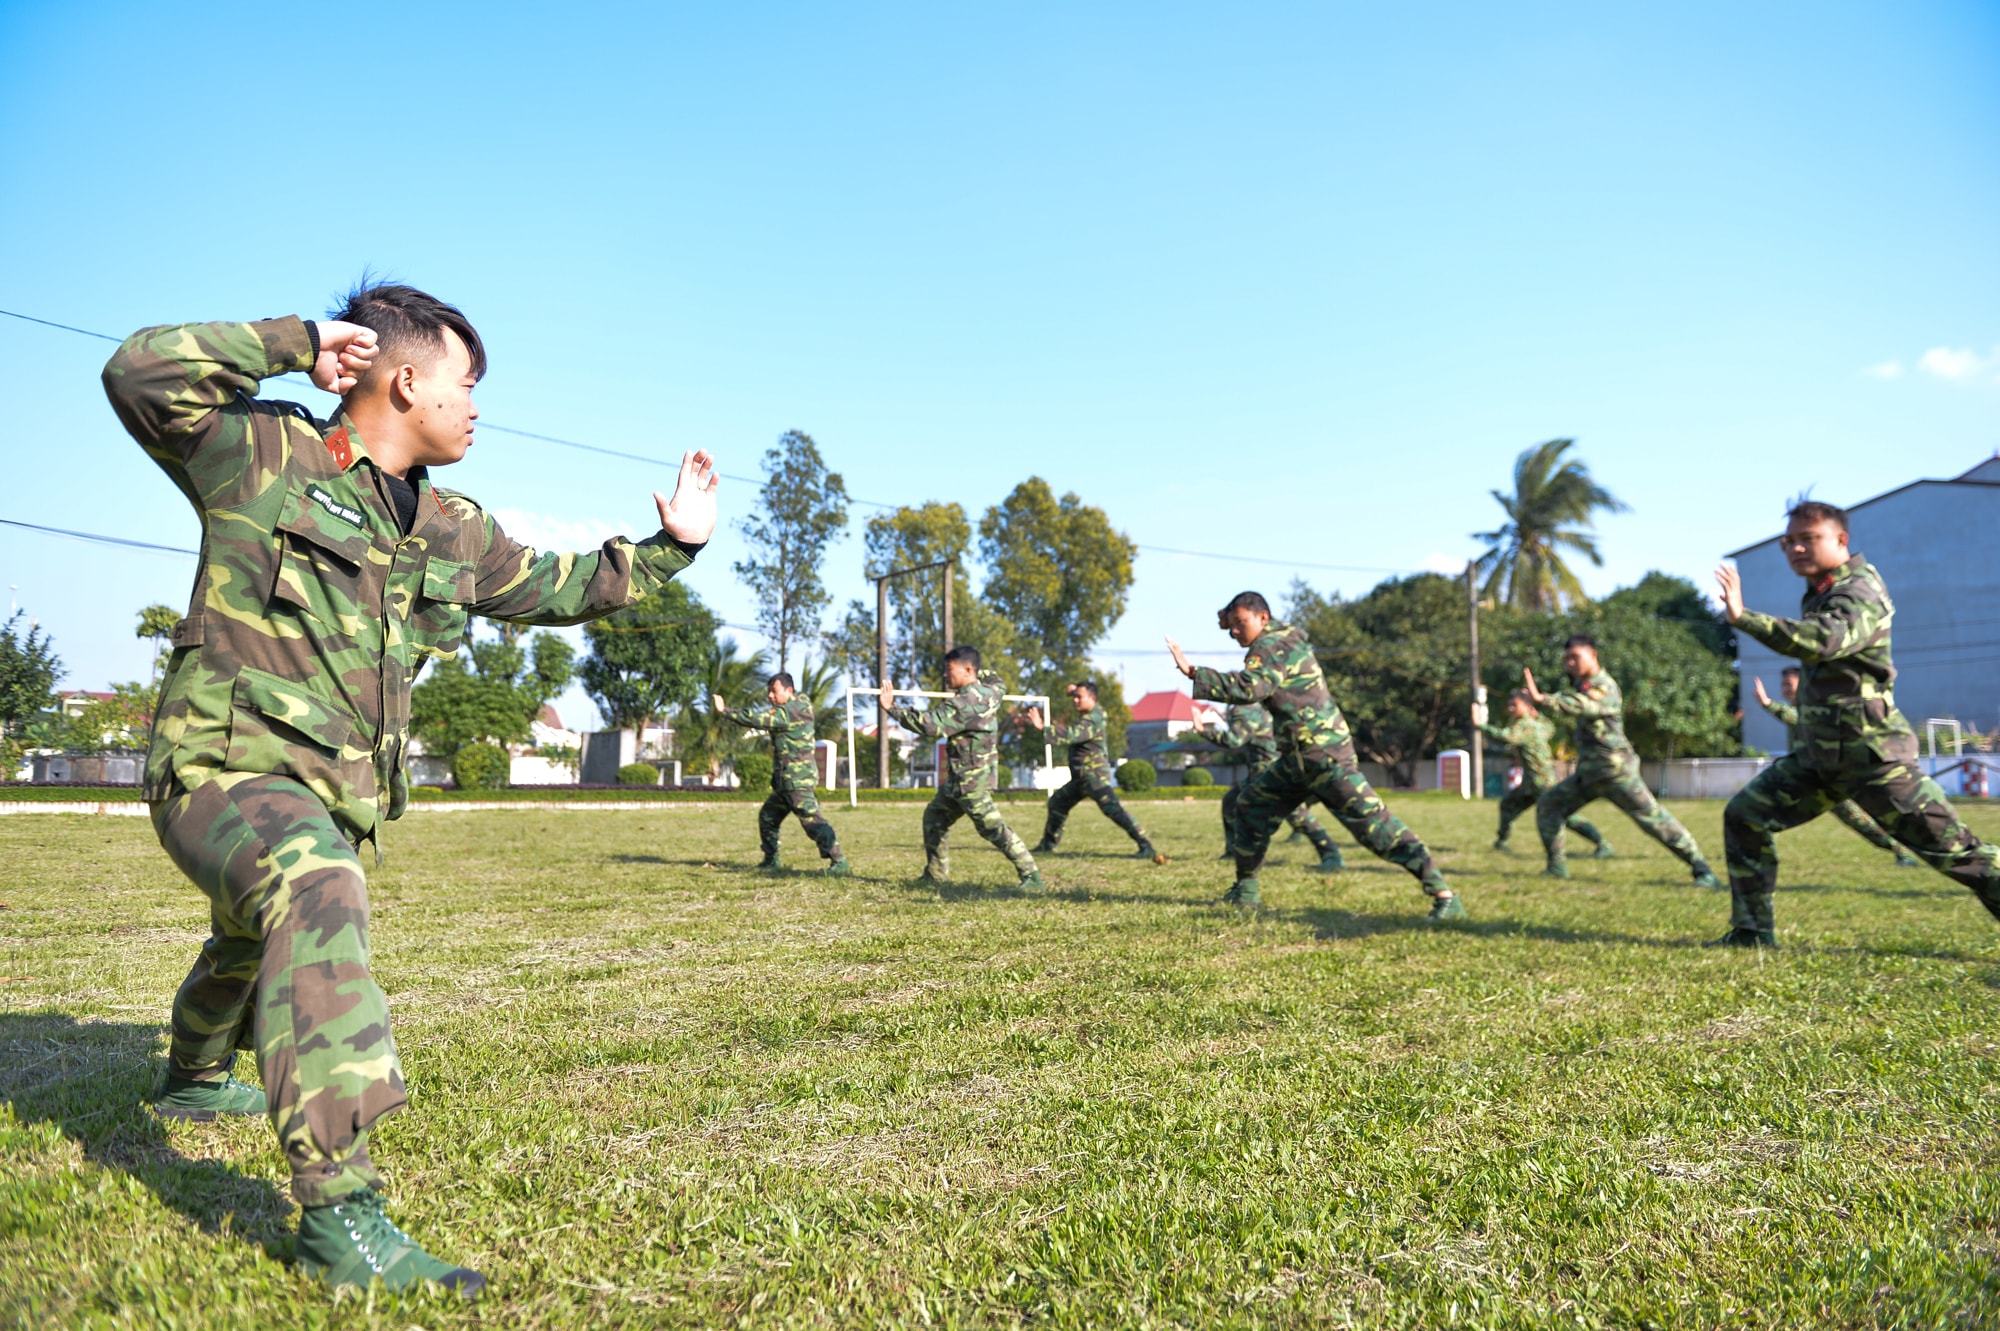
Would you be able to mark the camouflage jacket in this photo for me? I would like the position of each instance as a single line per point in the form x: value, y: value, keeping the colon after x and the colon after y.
x: 1249, y: 740
x: 792, y: 739
x: 1089, y: 741
x: 1599, y: 709
x: 969, y: 724
x: 311, y: 611
x: 1788, y: 716
x: 1847, y: 702
x: 1529, y: 737
x: 1280, y: 671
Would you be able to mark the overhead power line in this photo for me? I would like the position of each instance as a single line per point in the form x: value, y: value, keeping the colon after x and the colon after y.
x: 865, y: 503
x: 101, y: 540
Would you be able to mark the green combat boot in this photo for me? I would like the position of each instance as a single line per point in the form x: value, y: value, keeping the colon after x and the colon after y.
x: 1905, y: 860
x: 353, y: 1243
x: 1043, y: 847
x: 1331, y: 862
x: 839, y: 868
x: 1705, y: 876
x: 771, y: 864
x: 1752, y: 923
x: 1243, y: 895
x: 1146, y: 852
x: 1746, y: 938
x: 1603, y: 851
x: 1032, y: 884
x: 1296, y: 836
x: 1502, y: 847
x: 193, y: 1101
x: 1556, y: 869
x: 1446, y: 906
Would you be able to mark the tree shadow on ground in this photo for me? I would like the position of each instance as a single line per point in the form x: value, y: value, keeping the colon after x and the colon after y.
x: 90, y: 1080
x: 1331, y: 924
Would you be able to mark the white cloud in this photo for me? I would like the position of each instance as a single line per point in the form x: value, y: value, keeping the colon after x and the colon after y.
x: 1958, y: 364
x: 1439, y: 562
x: 549, y: 533
x: 1888, y: 369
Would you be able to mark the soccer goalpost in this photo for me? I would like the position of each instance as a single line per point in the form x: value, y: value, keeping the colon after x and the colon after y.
x: 853, y: 775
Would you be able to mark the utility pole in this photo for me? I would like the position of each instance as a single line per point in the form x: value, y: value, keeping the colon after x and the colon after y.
x: 1477, y: 744
x: 882, y: 652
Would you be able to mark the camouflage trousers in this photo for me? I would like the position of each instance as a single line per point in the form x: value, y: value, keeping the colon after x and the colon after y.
x: 284, y: 972
x: 1300, y: 820
x: 1867, y: 828
x: 1268, y: 796
x: 1100, y: 792
x: 1909, y: 806
x: 783, y: 804
x: 1522, y: 798
x: 947, y: 808
x: 1560, y: 802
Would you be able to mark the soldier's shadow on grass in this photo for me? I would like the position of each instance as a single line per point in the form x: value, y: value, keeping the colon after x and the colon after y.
x: 1332, y: 924
x: 90, y: 1081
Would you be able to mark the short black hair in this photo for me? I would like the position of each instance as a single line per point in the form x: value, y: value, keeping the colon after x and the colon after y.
x: 1254, y: 602
x: 1086, y: 686
x: 969, y: 655
x: 1812, y: 512
x: 782, y: 677
x: 1580, y: 640
x: 409, y: 324
x: 1790, y: 670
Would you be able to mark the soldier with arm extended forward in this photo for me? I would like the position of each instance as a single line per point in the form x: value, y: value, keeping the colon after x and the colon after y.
x: 789, y: 719
x: 969, y: 724
x: 1249, y: 742
x: 1607, y: 766
x: 1528, y: 734
x: 330, y: 570
x: 1787, y: 712
x: 1850, y: 741
x: 1086, y: 738
x: 1316, y: 755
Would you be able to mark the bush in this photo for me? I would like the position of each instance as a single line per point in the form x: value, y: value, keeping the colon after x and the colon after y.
x: 638, y: 774
x: 754, y: 771
x: 1136, y: 774
x: 1198, y: 776
x: 480, y: 767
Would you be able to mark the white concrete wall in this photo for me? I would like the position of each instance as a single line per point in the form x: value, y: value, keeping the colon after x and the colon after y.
x: 1933, y: 545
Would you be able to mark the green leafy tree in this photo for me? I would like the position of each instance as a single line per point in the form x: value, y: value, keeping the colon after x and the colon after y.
x: 1553, y: 507
x: 157, y: 622
x: 906, y: 538
x: 1058, y: 572
x: 649, y: 659
x: 121, y: 721
x: 801, y: 510
x: 29, y: 669
x: 490, y: 692
x: 820, y: 682
x: 706, y: 740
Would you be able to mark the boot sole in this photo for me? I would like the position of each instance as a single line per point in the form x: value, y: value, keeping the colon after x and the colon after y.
x: 180, y: 1115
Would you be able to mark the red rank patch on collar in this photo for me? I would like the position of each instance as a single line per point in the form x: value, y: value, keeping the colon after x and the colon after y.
x: 343, y: 452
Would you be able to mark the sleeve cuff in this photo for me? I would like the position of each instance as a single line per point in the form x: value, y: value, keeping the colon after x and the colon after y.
x: 690, y: 550
x: 289, y: 344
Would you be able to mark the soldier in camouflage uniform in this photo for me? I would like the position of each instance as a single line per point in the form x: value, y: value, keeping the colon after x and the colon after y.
x: 331, y: 569
x: 1607, y: 766
x: 1851, y: 742
x: 789, y: 718
x: 1315, y: 753
x: 1089, y: 771
x: 1528, y: 734
x: 1249, y: 742
x: 969, y: 725
x: 1847, y: 811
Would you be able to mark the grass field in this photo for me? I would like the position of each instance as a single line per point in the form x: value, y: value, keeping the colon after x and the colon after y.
x: 649, y: 1086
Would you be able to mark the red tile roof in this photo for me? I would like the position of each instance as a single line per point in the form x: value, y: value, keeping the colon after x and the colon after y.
x: 1167, y: 705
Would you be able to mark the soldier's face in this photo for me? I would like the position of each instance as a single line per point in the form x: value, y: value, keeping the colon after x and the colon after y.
x: 1814, y: 549
x: 1517, y: 706
x: 1084, y: 699
x: 960, y: 673
x: 1579, y: 661
x: 1245, y: 625
x: 778, y: 693
x: 1789, y: 687
x: 440, y: 405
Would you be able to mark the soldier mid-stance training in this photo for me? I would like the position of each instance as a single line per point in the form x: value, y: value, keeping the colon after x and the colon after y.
x: 1851, y: 742
x: 1528, y: 734
x: 1089, y: 771
x: 1315, y: 753
x: 1607, y: 766
x: 1248, y: 741
x: 1847, y: 811
x: 789, y: 718
x: 331, y: 570
x: 969, y: 724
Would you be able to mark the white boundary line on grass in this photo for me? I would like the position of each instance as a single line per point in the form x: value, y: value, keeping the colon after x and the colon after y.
x: 853, y: 775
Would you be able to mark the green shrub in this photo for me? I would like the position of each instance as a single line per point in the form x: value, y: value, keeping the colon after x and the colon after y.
x: 638, y: 774
x: 1136, y: 774
x: 1198, y: 776
x: 480, y: 767
x: 754, y: 771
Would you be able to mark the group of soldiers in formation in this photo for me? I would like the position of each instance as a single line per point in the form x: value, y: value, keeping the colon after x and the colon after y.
x: 332, y: 569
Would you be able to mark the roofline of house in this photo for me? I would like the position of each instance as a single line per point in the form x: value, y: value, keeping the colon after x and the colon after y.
x: 1875, y: 499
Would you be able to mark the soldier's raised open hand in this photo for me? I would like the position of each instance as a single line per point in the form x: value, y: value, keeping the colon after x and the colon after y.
x: 689, y: 517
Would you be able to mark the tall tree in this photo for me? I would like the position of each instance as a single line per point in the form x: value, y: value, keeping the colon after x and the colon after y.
x: 646, y: 660
x: 1058, y: 572
x: 907, y: 538
x: 29, y: 669
x: 157, y: 622
x: 704, y: 738
x: 1552, y: 509
x: 490, y: 692
x: 801, y: 510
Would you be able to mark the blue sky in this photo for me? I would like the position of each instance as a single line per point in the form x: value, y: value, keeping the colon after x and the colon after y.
x: 1294, y: 282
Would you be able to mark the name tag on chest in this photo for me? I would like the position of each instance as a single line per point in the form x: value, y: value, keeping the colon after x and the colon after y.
x: 335, y: 508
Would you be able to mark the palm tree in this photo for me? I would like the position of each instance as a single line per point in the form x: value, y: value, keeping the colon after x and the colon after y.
x: 1551, y: 510
x: 705, y: 739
